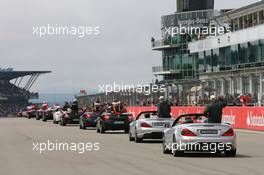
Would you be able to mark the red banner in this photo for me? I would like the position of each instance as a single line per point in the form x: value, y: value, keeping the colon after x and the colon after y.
x: 250, y: 118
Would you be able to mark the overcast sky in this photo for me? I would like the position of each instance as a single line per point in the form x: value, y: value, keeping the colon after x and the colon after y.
x: 121, y: 53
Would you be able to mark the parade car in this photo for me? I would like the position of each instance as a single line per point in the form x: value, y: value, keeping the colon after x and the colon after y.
x: 30, y: 111
x: 88, y: 119
x: 113, y: 122
x: 191, y: 133
x: 22, y: 112
x: 57, y: 115
x: 48, y: 114
x: 41, y: 110
x: 71, y: 117
x: 148, y: 125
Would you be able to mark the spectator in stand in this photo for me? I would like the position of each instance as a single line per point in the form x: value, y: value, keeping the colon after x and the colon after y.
x: 244, y: 99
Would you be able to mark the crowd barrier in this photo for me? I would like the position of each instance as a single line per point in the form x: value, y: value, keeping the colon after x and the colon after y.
x: 249, y: 118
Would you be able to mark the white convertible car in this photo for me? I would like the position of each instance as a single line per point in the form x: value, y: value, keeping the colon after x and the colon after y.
x: 57, y: 115
x: 192, y: 133
x: 148, y: 125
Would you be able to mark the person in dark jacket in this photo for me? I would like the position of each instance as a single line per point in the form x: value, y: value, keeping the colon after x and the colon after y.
x: 214, y: 111
x: 66, y: 106
x: 74, y: 107
x: 164, y: 108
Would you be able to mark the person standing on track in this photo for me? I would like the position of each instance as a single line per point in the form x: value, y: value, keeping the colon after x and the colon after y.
x: 164, y: 108
x: 74, y: 107
x: 214, y: 111
x: 66, y: 106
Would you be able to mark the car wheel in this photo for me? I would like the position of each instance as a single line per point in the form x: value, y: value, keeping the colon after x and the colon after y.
x: 63, y: 122
x: 231, y: 153
x: 130, y: 137
x: 37, y: 117
x: 44, y: 118
x: 126, y: 130
x: 165, y: 150
x: 175, y: 152
x: 97, y: 129
x: 82, y: 125
x: 54, y: 121
x: 137, y: 139
x: 102, y: 130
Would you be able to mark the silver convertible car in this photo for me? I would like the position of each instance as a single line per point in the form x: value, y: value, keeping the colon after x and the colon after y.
x: 191, y: 133
x: 148, y: 125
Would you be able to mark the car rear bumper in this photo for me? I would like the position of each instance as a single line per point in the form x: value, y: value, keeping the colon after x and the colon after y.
x: 89, y: 122
x: 150, y: 133
x: 153, y: 135
x: 111, y: 125
x: 72, y: 120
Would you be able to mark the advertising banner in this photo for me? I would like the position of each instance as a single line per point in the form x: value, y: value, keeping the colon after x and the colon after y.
x: 250, y: 118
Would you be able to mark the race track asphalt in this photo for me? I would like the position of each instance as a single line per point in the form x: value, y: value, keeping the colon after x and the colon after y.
x: 116, y: 156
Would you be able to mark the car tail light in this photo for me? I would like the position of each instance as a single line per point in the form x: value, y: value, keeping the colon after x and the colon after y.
x: 187, y: 132
x: 87, y: 116
x: 230, y: 132
x: 106, y: 117
x: 145, y: 125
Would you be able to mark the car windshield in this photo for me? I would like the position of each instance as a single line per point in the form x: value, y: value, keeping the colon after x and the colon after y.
x: 191, y: 119
x: 149, y: 115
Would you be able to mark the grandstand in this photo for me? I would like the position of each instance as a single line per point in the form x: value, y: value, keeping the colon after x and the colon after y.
x: 15, y: 89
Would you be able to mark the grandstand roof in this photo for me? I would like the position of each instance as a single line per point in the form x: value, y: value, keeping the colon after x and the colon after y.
x: 9, y: 75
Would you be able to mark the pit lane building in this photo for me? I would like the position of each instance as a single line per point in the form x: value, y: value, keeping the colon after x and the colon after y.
x: 197, y: 66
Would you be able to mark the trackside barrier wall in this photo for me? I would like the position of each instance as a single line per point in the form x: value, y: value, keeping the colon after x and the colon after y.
x: 250, y: 118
